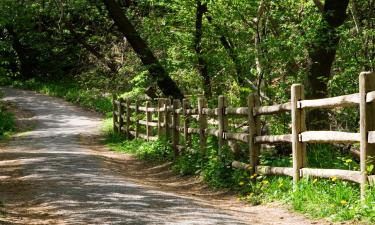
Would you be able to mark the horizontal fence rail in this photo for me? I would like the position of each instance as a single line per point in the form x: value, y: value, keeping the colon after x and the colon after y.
x: 174, y: 120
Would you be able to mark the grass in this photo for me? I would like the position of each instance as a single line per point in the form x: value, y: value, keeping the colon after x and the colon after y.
x: 317, y: 198
x: 88, y: 98
x: 7, y: 122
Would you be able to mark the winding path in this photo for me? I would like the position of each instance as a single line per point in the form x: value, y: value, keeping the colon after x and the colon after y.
x: 47, y: 176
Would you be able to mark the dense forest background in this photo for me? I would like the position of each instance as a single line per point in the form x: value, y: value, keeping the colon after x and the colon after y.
x: 192, y: 47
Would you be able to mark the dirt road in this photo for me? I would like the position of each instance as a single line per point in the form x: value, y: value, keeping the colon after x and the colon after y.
x: 49, y: 176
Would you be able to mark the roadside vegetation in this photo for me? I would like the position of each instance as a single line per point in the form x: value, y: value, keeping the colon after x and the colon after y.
x: 7, y: 122
x: 93, y: 99
x: 333, y: 199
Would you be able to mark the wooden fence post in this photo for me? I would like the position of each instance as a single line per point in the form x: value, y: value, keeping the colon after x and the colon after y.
x: 223, y: 120
x: 148, y: 119
x: 299, y: 148
x: 367, y: 123
x: 114, y: 110
x: 160, y: 117
x: 185, y: 106
x: 136, y: 119
x: 167, y: 122
x: 254, y: 130
x: 120, y: 115
x: 202, y: 103
x: 176, y: 124
x: 128, y: 115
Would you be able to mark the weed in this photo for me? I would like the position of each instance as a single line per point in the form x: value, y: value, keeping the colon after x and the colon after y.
x: 92, y: 99
x: 7, y: 122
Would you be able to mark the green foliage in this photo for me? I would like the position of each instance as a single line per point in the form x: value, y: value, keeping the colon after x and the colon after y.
x: 319, y: 198
x: 155, y: 151
x: 90, y: 98
x: 7, y: 122
x: 214, y: 166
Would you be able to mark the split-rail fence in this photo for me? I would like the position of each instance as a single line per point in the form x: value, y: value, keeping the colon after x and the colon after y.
x: 166, y: 118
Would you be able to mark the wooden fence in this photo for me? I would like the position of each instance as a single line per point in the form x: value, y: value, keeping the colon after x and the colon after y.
x: 173, y: 120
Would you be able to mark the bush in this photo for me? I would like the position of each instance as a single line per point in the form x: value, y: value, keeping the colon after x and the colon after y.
x: 92, y: 99
x: 7, y: 123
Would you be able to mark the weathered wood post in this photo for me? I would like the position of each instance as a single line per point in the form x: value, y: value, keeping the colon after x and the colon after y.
x: 136, y: 119
x: 298, y: 126
x: 160, y: 117
x: 185, y: 107
x: 223, y: 120
x: 202, y: 103
x: 367, y: 123
x: 166, y: 119
x: 175, y: 125
x: 148, y: 119
x: 254, y: 130
x: 120, y: 115
x: 128, y: 116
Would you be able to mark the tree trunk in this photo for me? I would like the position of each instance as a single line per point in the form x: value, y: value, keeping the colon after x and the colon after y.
x: 322, y: 53
x: 156, y: 70
x: 91, y: 49
x: 26, y: 64
x: 202, y: 64
x: 228, y: 45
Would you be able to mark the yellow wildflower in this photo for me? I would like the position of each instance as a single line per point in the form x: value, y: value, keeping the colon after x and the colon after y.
x: 265, y: 182
x: 241, y: 183
x: 343, y: 202
x: 348, y: 161
x: 253, y: 176
x: 333, y: 178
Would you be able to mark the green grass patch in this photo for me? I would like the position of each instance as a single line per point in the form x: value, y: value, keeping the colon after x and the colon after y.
x: 7, y: 121
x: 318, y: 198
x: 156, y: 151
x: 93, y: 99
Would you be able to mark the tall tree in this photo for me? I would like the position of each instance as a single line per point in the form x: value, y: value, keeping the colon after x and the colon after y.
x: 24, y: 53
x: 202, y: 64
x: 156, y: 70
x: 322, y: 52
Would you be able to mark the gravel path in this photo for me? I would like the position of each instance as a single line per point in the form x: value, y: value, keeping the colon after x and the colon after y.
x: 47, y: 176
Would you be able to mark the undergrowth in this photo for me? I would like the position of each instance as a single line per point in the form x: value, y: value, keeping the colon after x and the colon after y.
x: 88, y: 98
x: 7, y: 122
x: 318, y: 198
